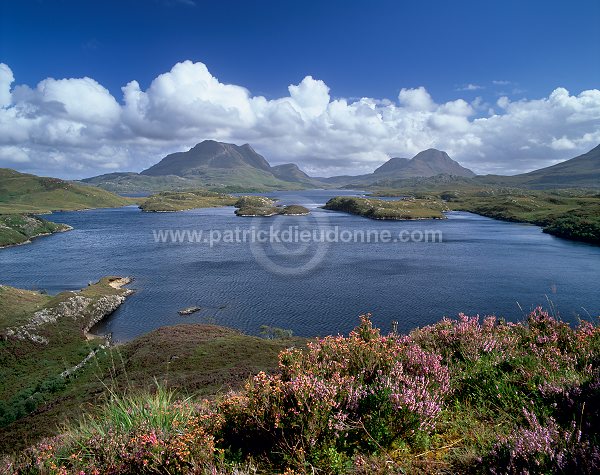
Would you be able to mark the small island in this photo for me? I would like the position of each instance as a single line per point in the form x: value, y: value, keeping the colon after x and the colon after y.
x: 171, y: 201
x: 262, y: 206
x: 406, y: 209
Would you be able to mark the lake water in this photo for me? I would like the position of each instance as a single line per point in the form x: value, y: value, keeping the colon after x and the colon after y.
x: 481, y: 266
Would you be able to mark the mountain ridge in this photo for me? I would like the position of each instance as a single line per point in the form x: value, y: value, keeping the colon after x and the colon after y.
x: 223, y: 165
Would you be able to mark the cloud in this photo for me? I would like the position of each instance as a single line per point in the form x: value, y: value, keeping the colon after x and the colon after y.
x: 75, y: 127
x: 6, y: 79
x: 470, y: 87
x: 501, y: 83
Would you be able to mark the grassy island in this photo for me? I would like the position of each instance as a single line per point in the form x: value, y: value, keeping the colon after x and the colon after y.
x: 263, y: 206
x: 571, y: 213
x: 404, y: 209
x: 168, y: 201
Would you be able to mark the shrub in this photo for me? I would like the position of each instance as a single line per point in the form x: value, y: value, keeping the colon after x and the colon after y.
x: 343, y: 394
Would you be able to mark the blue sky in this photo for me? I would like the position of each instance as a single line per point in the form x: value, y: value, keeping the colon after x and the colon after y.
x: 523, y: 50
x: 359, y: 48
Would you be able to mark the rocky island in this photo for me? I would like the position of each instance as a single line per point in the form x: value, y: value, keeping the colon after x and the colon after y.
x: 262, y: 206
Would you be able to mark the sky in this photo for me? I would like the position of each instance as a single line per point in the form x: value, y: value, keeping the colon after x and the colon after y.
x: 338, y: 87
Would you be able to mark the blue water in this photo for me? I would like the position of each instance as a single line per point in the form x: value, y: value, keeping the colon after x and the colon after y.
x: 482, y: 266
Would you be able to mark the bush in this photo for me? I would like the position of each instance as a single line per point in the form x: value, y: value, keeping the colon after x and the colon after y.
x: 344, y: 394
x: 510, y: 397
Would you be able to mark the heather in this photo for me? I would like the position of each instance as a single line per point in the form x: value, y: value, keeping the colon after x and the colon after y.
x: 465, y: 395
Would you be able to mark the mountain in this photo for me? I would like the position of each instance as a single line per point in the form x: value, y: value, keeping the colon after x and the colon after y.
x: 392, y: 165
x: 290, y: 172
x: 206, y: 155
x: 582, y: 171
x: 24, y: 193
x: 425, y: 164
x: 210, y: 164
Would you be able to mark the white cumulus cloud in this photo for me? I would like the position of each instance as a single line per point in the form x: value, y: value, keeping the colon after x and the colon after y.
x: 75, y: 127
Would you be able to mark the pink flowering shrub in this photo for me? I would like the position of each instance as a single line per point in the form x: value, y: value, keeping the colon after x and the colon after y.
x: 365, y: 403
x: 357, y: 392
x: 544, y: 448
x: 466, y: 339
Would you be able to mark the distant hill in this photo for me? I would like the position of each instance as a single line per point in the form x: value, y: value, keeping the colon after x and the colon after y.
x: 582, y: 171
x: 231, y: 168
x: 425, y: 164
x: 210, y: 164
x: 24, y: 193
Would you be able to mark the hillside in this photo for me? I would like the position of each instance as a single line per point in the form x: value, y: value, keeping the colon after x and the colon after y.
x: 464, y: 395
x: 20, y: 229
x: 210, y: 164
x: 206, y: 155
x: 36, y: 396
x: 24, y: 193
x: 217, y: 164
x: 582, y: 171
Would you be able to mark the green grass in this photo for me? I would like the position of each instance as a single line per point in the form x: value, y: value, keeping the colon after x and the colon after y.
x: 498, y: 376
x: 571, y: 213
x: 18, y: 229
x: 30, y: 370
x: 22, y: 193
x: 183, y: 200
x: 199, y: 360
x: 395, y: 210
